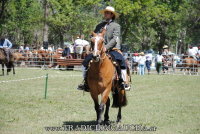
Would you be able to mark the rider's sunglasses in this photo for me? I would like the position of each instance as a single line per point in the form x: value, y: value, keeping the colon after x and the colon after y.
x: 107, y: 12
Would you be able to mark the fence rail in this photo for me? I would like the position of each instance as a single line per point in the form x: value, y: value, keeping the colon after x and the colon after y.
x: 54, y: 60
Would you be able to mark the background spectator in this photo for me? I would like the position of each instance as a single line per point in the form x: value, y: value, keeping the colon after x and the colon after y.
x: 149, y: 61
x: 159, y: 59
x: 135, y: 62
x: 141, y: 63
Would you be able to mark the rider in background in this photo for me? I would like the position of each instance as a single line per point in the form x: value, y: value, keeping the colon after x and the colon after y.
x: 6, y: 45
x: 198, y: 53
x: 192, y: 52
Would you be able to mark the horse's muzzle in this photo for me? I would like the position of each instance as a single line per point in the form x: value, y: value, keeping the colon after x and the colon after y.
x: 96, y: 58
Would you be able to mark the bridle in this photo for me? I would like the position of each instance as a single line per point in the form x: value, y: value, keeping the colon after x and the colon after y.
x: 96, y: 52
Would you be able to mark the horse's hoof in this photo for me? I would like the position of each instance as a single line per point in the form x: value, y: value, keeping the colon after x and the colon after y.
x: 118, y: 121
x: 107, y: 122
x: 99, y: 122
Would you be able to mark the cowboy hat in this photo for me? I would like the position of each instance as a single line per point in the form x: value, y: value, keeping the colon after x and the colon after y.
x: 109, y: 9
x: 142, y: 53
x: 165, y: 46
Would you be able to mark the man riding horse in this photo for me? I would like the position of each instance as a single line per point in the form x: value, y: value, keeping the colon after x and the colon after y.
x: 112, y: 47
x: 192, y: 52
x: 6, y: 45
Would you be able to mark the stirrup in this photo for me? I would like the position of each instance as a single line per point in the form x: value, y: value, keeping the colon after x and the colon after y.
x: 83, y: 87
x: 125, y: 86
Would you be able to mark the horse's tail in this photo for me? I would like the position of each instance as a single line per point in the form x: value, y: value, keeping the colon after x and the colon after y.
x: 119, y: 98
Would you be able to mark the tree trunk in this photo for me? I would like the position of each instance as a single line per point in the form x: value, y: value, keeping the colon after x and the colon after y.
x: 61, y: 40
x: 3, y: 4
x: 161, y: 42
x: 46, y: 27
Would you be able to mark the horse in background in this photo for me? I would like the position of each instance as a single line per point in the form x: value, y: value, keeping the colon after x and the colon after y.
x: 101, y: 81
x: 191, y: 65
x: 4, y: 62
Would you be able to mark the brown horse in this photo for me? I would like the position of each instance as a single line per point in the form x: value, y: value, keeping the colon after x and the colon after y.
x: 4, y: 61
x: 190, y: 64
x: 101, y: 81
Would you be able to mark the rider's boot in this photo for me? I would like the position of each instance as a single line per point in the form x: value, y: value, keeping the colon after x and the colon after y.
x: 123, y: 80
x: 84, y: 85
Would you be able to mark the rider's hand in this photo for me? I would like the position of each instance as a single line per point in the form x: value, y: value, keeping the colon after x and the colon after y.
x: 104, y: 49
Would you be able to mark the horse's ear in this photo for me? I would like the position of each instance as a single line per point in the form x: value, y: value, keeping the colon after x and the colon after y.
x: 103, y: 32
x: 94, y: 34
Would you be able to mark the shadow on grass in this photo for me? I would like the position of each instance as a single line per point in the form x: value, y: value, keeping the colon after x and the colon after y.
x: 78, y: 123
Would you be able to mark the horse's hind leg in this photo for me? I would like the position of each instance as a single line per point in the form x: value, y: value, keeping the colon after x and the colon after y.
x: 119, y: 116
x: 7, y: 71
x: 96, y: 106
x: 106, y: 115
x: 13, y: 69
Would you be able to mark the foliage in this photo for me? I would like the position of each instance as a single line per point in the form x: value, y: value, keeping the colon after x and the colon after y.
x: 145, y: 24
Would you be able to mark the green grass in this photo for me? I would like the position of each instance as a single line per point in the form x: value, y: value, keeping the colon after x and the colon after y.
x: 169, y: 102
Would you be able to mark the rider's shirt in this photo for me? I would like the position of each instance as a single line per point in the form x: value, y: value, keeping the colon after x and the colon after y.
x: 192, y: 52
x: 80, y: 42
x: 149, y: 57
x: 5, y: 44
x: 141, y: 60
x: 159, y: 58
x: 112, y: 35
x: 199, y: 52
x: 135, y: 59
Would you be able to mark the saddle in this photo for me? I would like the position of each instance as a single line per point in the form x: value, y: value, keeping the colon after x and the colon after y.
x: 117, y: 75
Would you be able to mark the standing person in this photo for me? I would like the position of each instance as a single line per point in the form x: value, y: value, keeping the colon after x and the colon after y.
x: 135, y: 63
x: 112, y: 46
x: 165, y: 63
x: 141, y: 63
x: 159, y: 60
x: 27, y: 48
x: 149, y: 61
x: 50, y: 48
x: 165, y: 50
x: 21, y: 49
x: 6, y: 45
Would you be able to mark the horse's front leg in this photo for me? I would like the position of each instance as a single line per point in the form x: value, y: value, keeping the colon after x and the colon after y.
x: 100, y: 112
x: 106, y: 115
x: 105, y: 100
x: 96, y: 104
x: 2, y: 69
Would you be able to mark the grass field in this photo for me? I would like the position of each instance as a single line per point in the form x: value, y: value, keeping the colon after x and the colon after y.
x: 169, y: 102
